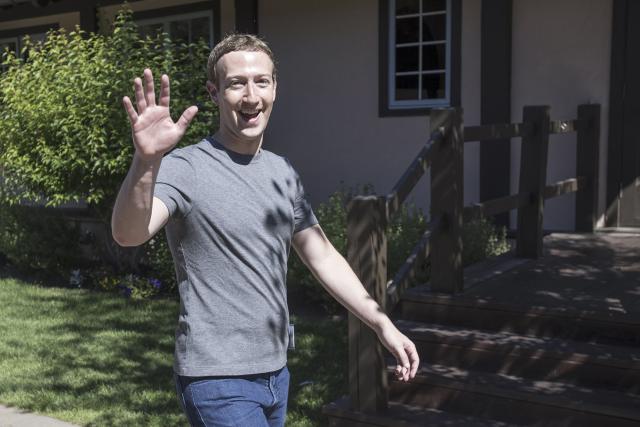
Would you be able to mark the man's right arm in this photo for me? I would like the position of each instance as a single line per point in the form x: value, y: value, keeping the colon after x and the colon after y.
x: 137, y: 215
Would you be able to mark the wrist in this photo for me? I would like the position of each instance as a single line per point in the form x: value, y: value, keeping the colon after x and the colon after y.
x: 147, y: 160
x: 381, y: 324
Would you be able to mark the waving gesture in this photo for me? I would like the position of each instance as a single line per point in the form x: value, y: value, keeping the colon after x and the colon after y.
x: 153, y: 131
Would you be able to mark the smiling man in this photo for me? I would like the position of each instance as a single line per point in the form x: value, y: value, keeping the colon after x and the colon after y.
x: 232, y: 211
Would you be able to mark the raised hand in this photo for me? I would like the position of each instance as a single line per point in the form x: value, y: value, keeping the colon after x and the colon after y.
x: 154, y: 132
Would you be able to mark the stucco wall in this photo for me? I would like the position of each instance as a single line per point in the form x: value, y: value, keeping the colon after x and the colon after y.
x: 561, y: 57
x: 326, y: 114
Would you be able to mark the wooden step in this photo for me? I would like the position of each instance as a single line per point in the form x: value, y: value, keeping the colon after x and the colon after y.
x: 515, y: 400
x: 401, y: 415
x: 420, y: 304
x: 551, y: 359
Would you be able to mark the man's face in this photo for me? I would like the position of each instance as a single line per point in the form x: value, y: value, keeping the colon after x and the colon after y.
x: 245, y: 92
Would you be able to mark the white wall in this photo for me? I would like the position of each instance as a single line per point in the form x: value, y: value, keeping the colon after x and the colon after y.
x: 561, y: 57
x: 326, y: 113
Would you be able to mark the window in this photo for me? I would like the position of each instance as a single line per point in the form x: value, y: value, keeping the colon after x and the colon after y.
x: 16, y: 43
x: 419, y: 54
x: 185, y: 28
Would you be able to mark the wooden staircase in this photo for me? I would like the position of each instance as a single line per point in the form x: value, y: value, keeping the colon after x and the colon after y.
x: 491, y: 364
x: 484, y: 361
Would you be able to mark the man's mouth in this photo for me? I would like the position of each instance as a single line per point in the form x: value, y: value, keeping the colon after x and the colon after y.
x: 248, y: 116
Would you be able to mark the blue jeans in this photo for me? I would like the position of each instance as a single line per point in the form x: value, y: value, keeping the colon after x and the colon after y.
x: 258, y: 400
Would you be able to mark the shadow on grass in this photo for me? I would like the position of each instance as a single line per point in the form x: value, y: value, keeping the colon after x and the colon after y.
x: 98, y: 359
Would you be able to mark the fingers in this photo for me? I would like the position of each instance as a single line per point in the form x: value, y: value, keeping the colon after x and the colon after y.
x: 141, y: 102
x: 187, y: 116
x: 164, y: 91
x: 133, y: 116
x: 414, y: 359
x: 149, y: 90
x: 402, y: 369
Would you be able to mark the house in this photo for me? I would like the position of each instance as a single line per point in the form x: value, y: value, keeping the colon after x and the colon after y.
x: 357, y: 79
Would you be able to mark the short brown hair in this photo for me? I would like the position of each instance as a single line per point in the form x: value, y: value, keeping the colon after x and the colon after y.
x: 234, y: 43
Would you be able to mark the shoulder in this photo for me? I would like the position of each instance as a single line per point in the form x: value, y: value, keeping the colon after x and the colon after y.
x: 279, y: 162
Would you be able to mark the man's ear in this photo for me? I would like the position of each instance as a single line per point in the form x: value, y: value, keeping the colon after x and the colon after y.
x: 213, y: 92
x: 275, y: 86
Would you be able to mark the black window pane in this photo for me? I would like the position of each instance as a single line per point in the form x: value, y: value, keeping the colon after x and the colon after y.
x: 179, y: 31
x: 408, y: 30
x: 404, y: 7
x: 433, y: 86
x: 12, y: 46
x: 407, y: 58
x: 406, y: 87
x: 150, y: 30
x: 434, y: 5
x: 200, y: 29
x: 433, y: 57
x: 434, y: 28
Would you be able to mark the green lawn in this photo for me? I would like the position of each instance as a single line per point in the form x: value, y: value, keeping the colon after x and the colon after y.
x: 98, y: 359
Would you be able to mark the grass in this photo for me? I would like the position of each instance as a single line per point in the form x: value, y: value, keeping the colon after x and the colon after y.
x: 97, y: 359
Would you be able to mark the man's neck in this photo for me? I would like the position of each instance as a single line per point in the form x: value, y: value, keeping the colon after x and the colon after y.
x: 238, y: 146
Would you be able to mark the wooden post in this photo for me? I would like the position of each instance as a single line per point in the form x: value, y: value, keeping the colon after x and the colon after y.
x: 447, y: 202
x: 587, y: 166
x: 533, y: 177
x: 367, y: 255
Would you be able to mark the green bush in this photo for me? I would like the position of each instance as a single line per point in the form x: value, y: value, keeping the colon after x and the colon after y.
x: 35, y: 239
x: 480, y: 239
x: 64, y: 134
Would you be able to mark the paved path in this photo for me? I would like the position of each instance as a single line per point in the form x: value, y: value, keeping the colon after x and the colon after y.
x: 13, y: 417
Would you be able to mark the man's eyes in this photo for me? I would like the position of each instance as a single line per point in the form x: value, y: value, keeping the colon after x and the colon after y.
x: 239, y: 83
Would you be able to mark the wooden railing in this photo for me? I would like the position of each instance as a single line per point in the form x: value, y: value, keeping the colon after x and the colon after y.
x: 368, y: 217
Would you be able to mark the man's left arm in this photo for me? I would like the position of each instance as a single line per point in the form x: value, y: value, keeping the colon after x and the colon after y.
x: 337, y: 277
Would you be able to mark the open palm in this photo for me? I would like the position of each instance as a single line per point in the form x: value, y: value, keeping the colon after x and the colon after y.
x: 154, y: 132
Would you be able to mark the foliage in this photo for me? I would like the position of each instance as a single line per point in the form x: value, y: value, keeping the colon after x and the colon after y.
x: 480, y: 241
x: 34, y: 238
x: 64, y: 134
x: 128, y: 285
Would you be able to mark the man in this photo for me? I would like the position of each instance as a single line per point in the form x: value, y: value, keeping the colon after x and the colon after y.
x: 232, y: 210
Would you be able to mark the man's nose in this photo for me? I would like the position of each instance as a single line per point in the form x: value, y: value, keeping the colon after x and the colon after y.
x: 250, y: 93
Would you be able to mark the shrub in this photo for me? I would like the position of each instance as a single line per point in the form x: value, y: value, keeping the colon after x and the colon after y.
x: 33, y: 238
x: 64, y: 135
x: 480, y: 239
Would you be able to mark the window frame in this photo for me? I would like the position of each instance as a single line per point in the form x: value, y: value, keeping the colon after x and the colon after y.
x: 17, y: 34
x: 388, y: 106
x: 167, y: 19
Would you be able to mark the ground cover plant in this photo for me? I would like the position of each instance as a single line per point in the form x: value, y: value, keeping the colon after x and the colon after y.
x: 99, y: 359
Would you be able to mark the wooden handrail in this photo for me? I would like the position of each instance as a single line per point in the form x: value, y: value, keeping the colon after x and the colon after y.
x: 406, y: 273
x: 561, y: 188
x: 496, y: 206
x: 368, y: 218
x: 412, y: 175
x: 563, y: 126
x: 494, y: 132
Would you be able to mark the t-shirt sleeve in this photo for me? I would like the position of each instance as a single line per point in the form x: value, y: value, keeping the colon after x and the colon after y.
x: 175, y: 183
x: 302, y: 211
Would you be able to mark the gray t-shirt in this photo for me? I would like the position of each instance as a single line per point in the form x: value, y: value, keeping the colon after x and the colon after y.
x: 232, y: 217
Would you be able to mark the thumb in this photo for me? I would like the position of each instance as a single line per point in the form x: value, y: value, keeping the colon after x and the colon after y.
x: 186, y: 117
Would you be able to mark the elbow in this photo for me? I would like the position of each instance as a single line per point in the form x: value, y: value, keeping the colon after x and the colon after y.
x: 124, y: 239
